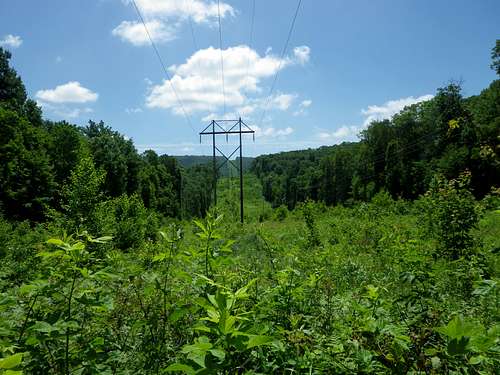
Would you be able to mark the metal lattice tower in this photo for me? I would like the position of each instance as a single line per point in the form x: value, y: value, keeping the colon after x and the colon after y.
x: 218, y: 127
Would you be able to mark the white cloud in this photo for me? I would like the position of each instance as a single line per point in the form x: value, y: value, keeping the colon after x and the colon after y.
x: 135, y: 33
x: 72, y: 113
x: 133, y: 110
x: 283, y: 101
x: 164, y: 18
x: 302, y: 54
x: 10, y: 40
x: 175, y: 148
x: 271, y: 132
x: 246, y: 110
x: 341, y: 134
x: 266, y: 131
x: 304, y: 104
x: 278, y: 101
x: 200, y: 11
x: 390, y: 108
x: 64, y: 111
x: 71, y: 92
x: 218, y: 116
x: 198, y: 81
x: 372, y: 113
x: 61, y: 100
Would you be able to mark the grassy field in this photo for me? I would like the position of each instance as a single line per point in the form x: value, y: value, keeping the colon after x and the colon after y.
x: 365, y: 289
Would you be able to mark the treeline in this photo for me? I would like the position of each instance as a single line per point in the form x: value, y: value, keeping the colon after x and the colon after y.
x: 58, y: 170
x: 446, y: 135
x: 187, y: 161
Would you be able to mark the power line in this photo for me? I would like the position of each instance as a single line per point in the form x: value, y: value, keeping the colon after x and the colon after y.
x: 221, y: 56
x: 163, y: 66
x: 285, y: 47
x: 192, y: 33
x: 250, y: 40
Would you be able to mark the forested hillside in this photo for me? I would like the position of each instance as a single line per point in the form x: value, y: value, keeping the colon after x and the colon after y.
x: 191, y: 160
x: 446, y: 135
x: 47, y: 166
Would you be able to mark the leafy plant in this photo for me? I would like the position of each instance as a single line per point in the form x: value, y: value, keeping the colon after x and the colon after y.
x: 452, y: 214
x: 229, y: 337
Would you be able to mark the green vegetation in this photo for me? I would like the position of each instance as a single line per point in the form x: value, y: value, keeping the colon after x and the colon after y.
x: 368, y: 289
x: 445, y: 135
x: 188, y: 161
x: 46, y: 165
x: 113, y: 262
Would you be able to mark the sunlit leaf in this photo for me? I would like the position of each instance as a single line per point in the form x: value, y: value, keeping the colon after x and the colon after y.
x: 11, y: 361
x: 258, y: 340
x: 178, y: 367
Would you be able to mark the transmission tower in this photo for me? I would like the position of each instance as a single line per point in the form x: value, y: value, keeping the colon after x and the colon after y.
x: 219, y: 127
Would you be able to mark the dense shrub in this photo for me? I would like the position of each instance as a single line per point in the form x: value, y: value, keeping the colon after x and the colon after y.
x: 280, y: 213
x: 129, y: 221
x: 452, y: 214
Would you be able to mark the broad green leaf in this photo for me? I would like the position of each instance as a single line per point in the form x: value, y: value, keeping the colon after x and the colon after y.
x: 198, y: 346
x: 179, y: 367
x: 242, y: 292
x: 11, y: 361
x: 78, y: 246
x: 258, y: 340
x: 204, y: 230
x: 228, y: 325
x: 202, y: 328
x: 177, y: 314
x: 372, y: 292
x: 213, y: 315
x: 43, y: 327
x: 219, y: 353
x: 51, y: 254
x: 56, y: 241
x: 84, y: 272
x: 160, y: 257
x: 27, y: 288
x: 484, y: 287
x: 458, y: 327
x: 198, y: 358
x: 476, y: 360
x: 212, y: 300
x: 102, y: 239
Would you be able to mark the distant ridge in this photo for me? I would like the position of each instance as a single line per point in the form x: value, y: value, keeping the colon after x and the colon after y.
x: 188, y: 161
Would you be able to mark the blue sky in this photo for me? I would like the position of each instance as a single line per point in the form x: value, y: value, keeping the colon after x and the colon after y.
x: 348, y: 62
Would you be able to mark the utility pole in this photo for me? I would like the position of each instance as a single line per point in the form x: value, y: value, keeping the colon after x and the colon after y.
x: 241, y: 178
x: 238, y: 128
x: 214, y: 161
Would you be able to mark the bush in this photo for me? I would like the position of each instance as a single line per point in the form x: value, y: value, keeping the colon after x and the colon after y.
x: 82, y: 194
x: 452, y: 213
x: 382, y: 200
x: 126, y: 219
x: 492, y: 200
x: 281, y: 213
x: 5, y: 229
x: 308, y: 209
